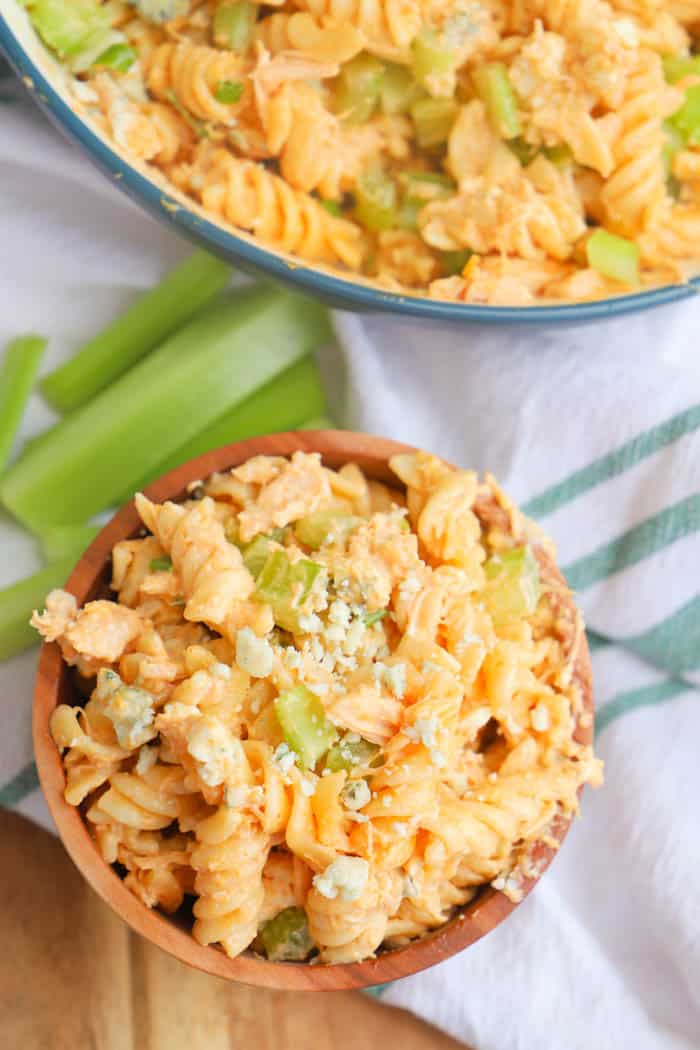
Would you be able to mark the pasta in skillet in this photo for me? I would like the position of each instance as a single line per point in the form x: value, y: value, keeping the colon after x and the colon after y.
x: 328, y: 711
x: 498, y: 152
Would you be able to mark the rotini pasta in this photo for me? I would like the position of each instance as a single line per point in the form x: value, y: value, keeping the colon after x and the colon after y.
x: 376, y: 717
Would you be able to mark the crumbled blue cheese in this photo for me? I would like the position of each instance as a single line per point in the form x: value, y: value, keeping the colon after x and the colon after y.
x: 423, y: 730
x: 395, y: 679
x: 308, y: 785
x: 409, y: 588
x: 148, y: 756
x: 346, y: 876
x: 339, y: 613
x: 539, y: 718
x: 356, y: 794
x: 292, y: 658
x: 162, y: 10
x: 284, y: 758
x: 236, y: 796
x: 214, y: 748
x: 310, y: 623
x: 253, y: 654
x: 220, y: 670
x: 130, y: 710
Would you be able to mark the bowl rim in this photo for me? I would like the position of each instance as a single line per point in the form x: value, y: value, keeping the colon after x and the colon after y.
x: 53, y: 686
x: 225, y: 243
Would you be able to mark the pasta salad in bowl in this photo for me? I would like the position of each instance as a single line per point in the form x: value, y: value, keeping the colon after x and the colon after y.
x: 331, y: 705
x: 463, y: 158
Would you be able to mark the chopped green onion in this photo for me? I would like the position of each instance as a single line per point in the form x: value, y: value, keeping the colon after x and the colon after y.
x: 454, y: 262
x: 286, y: 938
x: 524, y: 151
x: 162, y: 564
x: 285, y: 586
x: 514, y: 588
x: 350, y: 752
x: 370, y: 618
x: 398, y: 90
x: 676, y: 67
x: 358, y: 88
x: 613, y: 256
x: 20, y: 364
x: 495, y: 90
x: 687, y: 119
x: 19, y: 600
x: 229, y: 92
x: 233, y: 26
x: 285, y: 403
x: 63, y: 541
x: 375, y: 201
x: 306, y: 728
x: 433, y: 119
x: 432, y: 59
x: 118, y: 57
x: 332, y: 207
x: 150, y: 319
x: 314, y: 530
x: 98, y: 451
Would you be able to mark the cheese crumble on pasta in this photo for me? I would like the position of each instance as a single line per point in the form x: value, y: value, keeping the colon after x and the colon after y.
x: 328, y: 710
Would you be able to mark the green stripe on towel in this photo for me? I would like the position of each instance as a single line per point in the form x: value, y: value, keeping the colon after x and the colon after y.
x: 20, y: 786
x: 614, y: 463
x: 648, y: 696
x: 673, y: 644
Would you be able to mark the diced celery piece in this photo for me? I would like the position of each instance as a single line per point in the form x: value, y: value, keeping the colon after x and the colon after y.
x: 433, y: 119
x: 375, y: 201
x: 432, y: 58
x: 613, y: 256
x: 409, y: 210
x: 285, y: 586
x: 454, y: 262
x: 358, y: 88
x: 313, y: 529
x: 350, y: 752
x: 495, y: 90
x: 674, y: 142
x: 332, y: 207
x: 687, y: 119
x: 255, y: 554
x: 307, y: 730
x: 370, y: 618
x: 286, y: 938
x: 65, y: 24
x: 233, y: 25
x: 560, y: 155
x: 676, y: 67
x: 18, y: 369
x: 118, y: 57
x: 229, y: 92
x: 513, y: 590
x: 162, y: 564
x: 398, y: 90
x: 416, y: 179
x: 18, y: 601
x: 524, y: 151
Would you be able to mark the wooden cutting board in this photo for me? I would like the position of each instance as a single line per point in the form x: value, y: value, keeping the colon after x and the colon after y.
x: 73, y: 977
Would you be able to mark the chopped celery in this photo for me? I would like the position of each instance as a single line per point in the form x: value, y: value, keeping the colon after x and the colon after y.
x: 398, y: 90
x: 65, y: 25
x: 524, y: 151
x: 358, y: 88
x: 370, y: 618
x: 150, y: 319
x: 307, y: 730
x: 560, y: 155
x: 118, y: 57
x: 409, y: 210
x: 256, y: 553
x: 19, y: 600
x: 20, y: 364
x: 674, y: 143
x: 63, y: 541
x: 513, y: 589
x: 286, y: 938
x: 415, y: 179
x: 233, y: 25
x: 350, y: 752
x: 284, y: 403
x: 454, y: 262
x: 375, y: 201
x: 432, y: 58
x: 332, y: 207
x: 687, y: 119
x: 200, y: 373
x: 613, y: 256
x: 433, y: 119
x: 313, y: 530
x: 162, y: 564
x: 676, y: 67
x: 229, y: 92
x: 285, y: 586
x: 495, y: 90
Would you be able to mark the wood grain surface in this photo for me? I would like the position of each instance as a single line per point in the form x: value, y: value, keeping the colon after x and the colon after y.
x: 73, y: 976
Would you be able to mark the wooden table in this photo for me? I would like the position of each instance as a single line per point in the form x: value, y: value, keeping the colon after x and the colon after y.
x: 73, y: 977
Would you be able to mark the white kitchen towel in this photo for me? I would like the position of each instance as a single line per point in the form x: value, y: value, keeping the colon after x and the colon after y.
x: 596, y: 431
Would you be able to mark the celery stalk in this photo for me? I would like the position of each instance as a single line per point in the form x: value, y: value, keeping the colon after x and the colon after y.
x: 513, y: 588
x: 317, y: 423
x: 398, y: 90
x: 284, y: 403
x: 214, y: 362
x: 286, y: 938
x: 64, y: 25
x: 307, y: 730
x: 350, y: 752
x: 233, y: 25
x: 285, y: 587
x: 496, y: 92
x: 676, y: 67
x: 149, y: 320
x: 20, y: 364
x: 358, y: 88
x: 454, y: 262
x: 613, y: 256
x: 19, y: 600
x: 63, y: 541
x: 433, y: 119
x: 687, y: 119
x: 432, y: 59
x: 375, y: 201
x: 314, y: 529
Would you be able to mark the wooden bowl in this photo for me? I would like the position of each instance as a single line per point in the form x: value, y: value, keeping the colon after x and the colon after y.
x: 54, y: 686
